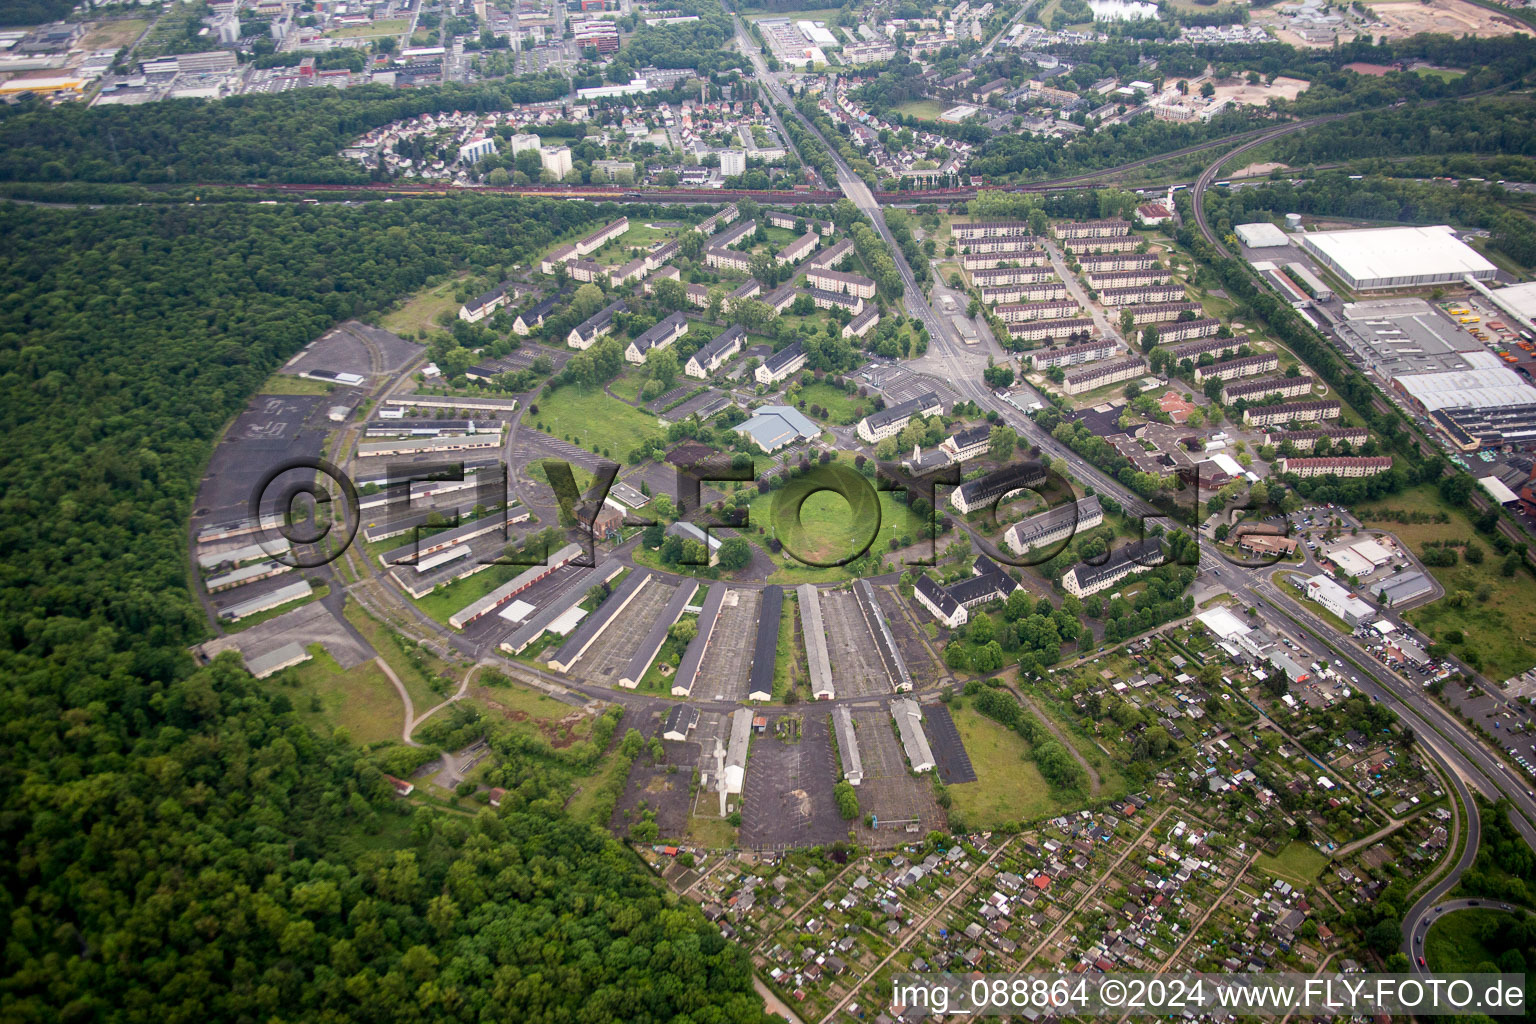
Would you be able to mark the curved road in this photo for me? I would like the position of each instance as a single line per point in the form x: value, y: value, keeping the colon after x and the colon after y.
x: 1415, y: 939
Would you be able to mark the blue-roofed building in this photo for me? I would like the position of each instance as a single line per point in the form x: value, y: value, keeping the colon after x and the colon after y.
x: 774, y: 426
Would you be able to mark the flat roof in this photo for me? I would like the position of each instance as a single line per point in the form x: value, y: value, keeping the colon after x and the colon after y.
x: 1260, y: 235
x: 1369, y: 254
x: 1461, y: 389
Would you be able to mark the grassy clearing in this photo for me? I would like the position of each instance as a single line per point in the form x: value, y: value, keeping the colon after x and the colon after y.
x: 420, y: 311
x: 113, y: 35
x: 1008, y: 786
x: 593, y: 802
x: 1297, y: 863
x: 827, y: 527
x: 416, y: 669
x: 591, y: 419
x: 360, y: 700
x: 842, y: 408
x: 1455, y: 941
x: 386, y: 27
x: 926, y: 110
x: 1498, y: 631
x: 283, y: 384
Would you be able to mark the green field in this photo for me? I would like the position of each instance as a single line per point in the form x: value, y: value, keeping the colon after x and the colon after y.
x: 282, y: 384
x: 360, y: 700
x: 842, y: 408
x: 420, y: 311
x: 1455, y: 941
x: 828, y: 529
x: 1497, y: 631
x: 591, y: 419
x: 416, y: 670
x: 387, y: 27
x: 925, y: 110
x: 1298, y: 864
x: 1008, y: 786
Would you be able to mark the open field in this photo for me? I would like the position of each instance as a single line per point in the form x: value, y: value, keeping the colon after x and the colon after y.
x: 1444, y: 17
x: 842, y: 408
x: 113, y: 35
x: 591, y: 419
x: 386, y: 27
x: 1498, y: 630
x: 415, y: 669
x: 419, y: 312
x: 927, y: 110
x: 360, y: 700
x: 1008, y: 786
x: 1297, y: 863
x: 827, y: 526
x: 282, y: 384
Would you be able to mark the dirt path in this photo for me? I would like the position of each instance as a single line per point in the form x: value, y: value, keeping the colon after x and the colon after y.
x: 1094, y: 782
x: 409, y: 725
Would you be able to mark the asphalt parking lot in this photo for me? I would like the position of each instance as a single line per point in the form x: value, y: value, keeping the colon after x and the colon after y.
x: 787, y: 795
x: 727, y: 663
x: 611, y: 652
x: 954, y: 764
x: 896, y: 798
x: 857, y: 670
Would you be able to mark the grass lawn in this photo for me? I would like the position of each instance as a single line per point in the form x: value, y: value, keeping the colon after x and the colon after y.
x: 628, y: 385
x: 927, y: 110
x: 710, y: 833
x: 386, y: 27
x: 591, y: 419
x: 361, y: 700
x: 282, y: 384
x: 1008, y: 786
x: 842, y: 408
x: 828, y: 528
x: 1298, y: 864
x: 419, y: 312
x: 1455, y: 941
x: 1497, y: 631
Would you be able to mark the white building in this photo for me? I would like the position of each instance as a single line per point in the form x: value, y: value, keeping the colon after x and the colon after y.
x: 524, y: 142
x: 556, y: 160
x: 1328, y: 593
x: 733, y: 162
x: 1405, y: 257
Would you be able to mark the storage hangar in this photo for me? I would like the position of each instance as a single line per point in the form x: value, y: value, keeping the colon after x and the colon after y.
x: 1406, y: 257
x: 1260, y: 236
x: 1479, y: 388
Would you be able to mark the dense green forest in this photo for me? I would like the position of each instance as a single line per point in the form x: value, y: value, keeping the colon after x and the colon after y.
x: 181, y: 847
x: 33, y: 12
